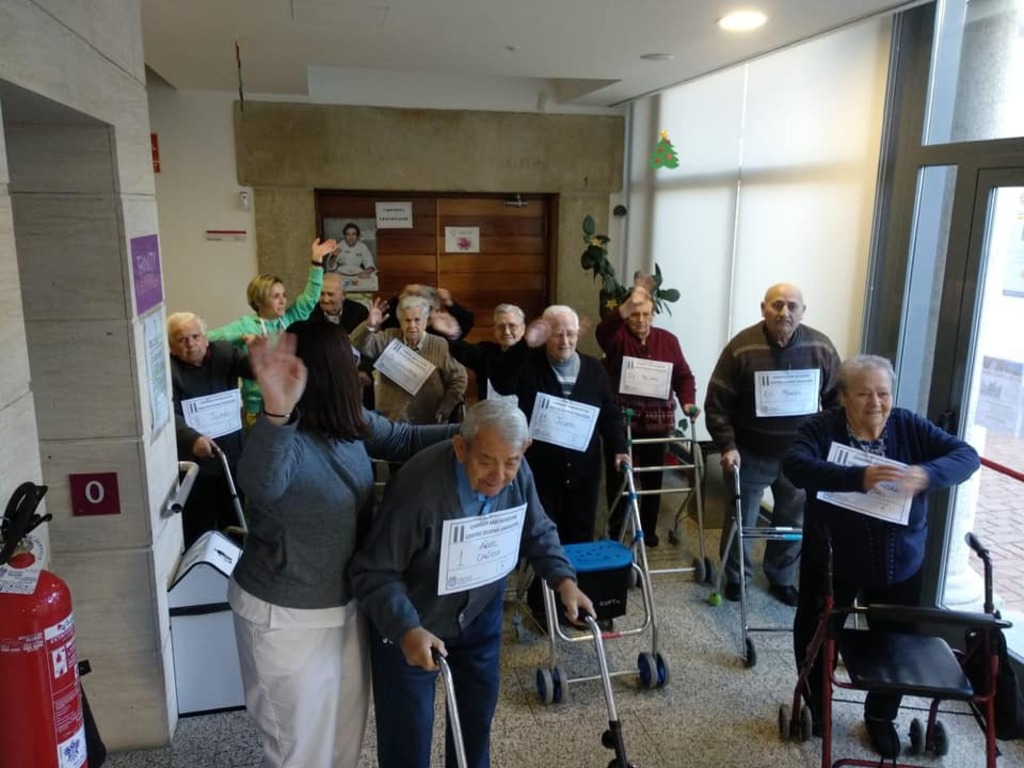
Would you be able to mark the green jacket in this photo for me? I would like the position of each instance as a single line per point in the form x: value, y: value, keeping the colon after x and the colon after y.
x: 304, y: 304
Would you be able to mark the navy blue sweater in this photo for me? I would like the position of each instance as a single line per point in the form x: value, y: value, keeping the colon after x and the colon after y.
x: 867, y: 550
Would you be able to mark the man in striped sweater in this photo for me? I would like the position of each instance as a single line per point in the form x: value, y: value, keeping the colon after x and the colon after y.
x: 768, y: 380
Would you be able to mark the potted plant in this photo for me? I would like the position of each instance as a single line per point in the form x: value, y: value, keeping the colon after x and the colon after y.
x: 613, y: 293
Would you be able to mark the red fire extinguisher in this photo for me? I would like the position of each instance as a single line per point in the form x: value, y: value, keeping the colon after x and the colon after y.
x: 41, y: 720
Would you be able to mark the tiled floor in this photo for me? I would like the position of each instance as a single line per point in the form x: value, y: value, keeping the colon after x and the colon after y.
x: 714, y: 714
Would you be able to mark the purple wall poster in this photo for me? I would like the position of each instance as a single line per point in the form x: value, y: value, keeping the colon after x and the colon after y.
x: 146, y: 272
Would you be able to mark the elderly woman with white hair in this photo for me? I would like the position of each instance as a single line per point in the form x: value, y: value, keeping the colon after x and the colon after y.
x: 545, y: 371
x: 878, y: 560
x: 403, y: 396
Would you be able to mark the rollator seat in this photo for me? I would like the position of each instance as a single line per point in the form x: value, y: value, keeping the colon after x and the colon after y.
x: 899, y: 662
x: 602, y: 570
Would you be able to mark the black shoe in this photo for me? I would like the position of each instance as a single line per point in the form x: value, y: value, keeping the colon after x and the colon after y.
x: 884, y: 737
x: 785, y: 594
x: 651, y: 539
x: 732, y: 592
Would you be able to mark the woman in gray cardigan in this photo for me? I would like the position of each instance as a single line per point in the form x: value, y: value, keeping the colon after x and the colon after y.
x: 307, y: 474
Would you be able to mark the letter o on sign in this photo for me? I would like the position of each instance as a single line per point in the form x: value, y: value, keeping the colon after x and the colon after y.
x: 94, y: 494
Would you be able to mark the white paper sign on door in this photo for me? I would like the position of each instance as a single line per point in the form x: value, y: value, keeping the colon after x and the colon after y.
x: 479, y: 550
x: 563, y: 422
x: 214, y: 415
x: 404, y: 366
x: 645, y: 378
x: 787, y: 393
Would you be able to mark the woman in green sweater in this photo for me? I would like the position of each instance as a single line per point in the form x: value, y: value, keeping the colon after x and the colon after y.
x: 267, y: 297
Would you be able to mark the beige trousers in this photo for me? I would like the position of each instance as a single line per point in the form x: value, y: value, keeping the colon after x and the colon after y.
x: 306, y: 685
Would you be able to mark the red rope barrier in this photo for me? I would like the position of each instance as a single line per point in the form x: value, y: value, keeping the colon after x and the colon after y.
x: 1002, y: 469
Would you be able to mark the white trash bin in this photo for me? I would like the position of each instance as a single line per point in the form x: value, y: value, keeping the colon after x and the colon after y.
x: 207, y: 676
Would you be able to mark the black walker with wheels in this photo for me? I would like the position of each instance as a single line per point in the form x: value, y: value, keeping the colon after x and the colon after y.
x: 605, y: 569
x: 737, y: 535
x: 901, y: 663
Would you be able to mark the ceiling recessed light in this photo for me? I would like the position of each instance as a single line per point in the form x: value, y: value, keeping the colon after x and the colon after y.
x: 742, y: 21
x: 657, y: 57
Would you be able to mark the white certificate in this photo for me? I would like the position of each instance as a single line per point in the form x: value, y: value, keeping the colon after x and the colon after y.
x: 884, y: 501
x: 404, y: 366
x: 479, y: 550
x: 645, y: 378
x: 214, y: 415
x: 563, y: 422
x: 492, y: 394
x: 787, y: 393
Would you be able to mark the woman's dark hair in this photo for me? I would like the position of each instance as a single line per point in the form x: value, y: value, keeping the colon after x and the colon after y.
x: 332, y: 403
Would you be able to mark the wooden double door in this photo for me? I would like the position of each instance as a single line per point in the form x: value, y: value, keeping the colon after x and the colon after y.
x: 512, y: 234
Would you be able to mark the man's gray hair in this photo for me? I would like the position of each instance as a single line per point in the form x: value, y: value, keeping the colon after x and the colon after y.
x: 851, y: 368
x: 415, y: 302
x: 509, y: 309
x: 176, y: 319
x: 503, y: 416
x: 560, y: 312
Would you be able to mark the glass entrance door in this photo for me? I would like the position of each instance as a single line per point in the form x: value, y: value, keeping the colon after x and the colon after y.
x: 980, y: 364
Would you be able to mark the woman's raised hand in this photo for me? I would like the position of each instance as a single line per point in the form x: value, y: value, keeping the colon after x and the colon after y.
x: 279, y: 372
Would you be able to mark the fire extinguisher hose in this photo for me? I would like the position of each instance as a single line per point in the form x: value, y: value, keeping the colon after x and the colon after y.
x: 20, y: 518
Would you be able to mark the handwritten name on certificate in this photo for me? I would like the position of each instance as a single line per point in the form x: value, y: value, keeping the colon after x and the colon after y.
x: 645, y: 378
x: 214, y: 415
x: 479, y: 550
x: 884, y: 501
x: 787, y: 393
x: 563, y: 422
x: 404, y: 366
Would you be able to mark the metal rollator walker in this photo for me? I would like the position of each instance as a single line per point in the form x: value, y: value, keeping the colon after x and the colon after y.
x: 605, y: 570
x: 884, y: 661
x: 737, y: 535
x: 702, y: 568
x: 242, y: 528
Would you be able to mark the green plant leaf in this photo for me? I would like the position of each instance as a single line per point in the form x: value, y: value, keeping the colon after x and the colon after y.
x: 669, y: 294
x: 597, y: 254
x: 608, y: 284
x: 589, y: 227
x: 603, y: 239
x: 586, y: 260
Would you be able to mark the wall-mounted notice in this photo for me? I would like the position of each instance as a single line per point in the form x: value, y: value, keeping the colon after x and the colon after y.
x: 462, y: 239
x: 155, y: 338
x: 999, y: 395
x: 149, y: 289
x: 394, y: 215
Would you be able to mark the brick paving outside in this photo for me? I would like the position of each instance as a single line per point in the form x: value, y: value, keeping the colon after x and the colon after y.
x: 1000, y: 521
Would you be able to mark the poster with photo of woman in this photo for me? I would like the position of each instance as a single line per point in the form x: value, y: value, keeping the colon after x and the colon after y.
x: 356, y: 257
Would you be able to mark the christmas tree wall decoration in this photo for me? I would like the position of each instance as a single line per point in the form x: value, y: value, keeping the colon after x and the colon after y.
x: 664, y: 154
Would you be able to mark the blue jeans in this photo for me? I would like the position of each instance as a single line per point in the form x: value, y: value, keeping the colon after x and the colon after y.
x: 403, y: 696
x: 781, y: 558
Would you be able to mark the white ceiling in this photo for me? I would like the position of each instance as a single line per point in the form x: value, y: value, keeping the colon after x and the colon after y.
x: 579, y: 52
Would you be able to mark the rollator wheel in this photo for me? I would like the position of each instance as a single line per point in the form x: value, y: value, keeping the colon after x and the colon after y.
x: 784, y: 722
x: 916, y: 737
x: 699, y: 574
x: 648, y: 669
x: 545, y: 686
x: 607, y: 739
x: 561, y: 681
x: 750, y: 655
x: 806, y: 723
x: 664, y: 670
x: 632, y: 579
x: 940, y: 739
x: 709, y: 571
